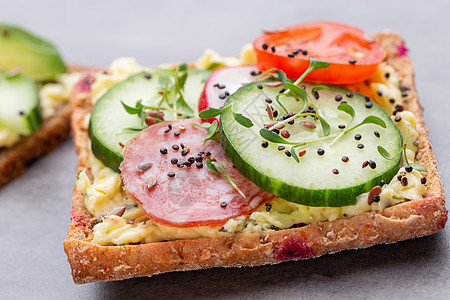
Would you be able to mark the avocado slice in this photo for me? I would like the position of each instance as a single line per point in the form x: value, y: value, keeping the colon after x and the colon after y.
x: 35, y: 57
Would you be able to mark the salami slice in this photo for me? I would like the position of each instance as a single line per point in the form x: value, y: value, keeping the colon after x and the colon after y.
x: 164, y: 170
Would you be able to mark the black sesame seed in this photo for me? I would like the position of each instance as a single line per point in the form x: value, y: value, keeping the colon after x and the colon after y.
x: 392, y: 100
x: 344, y: 102
x: 303, y: 87
x: 174, y: 160
x: 264, y: 144
x: 399, y: 107
x: 223, y: 204
x: 291, y: 122
x: 221, y: 87
x: 286, y: 116
x: 367, y: 98
x: 272, y: 48
x: 281, y: 148
x: 259, y: 86
x: 282, y: 90
x: 184, y: 152
x: 382, y: 182
x: 227, y: 93
x: 341, y: 126
x: 404, y: 94
x: 387, y: 75
x: 408, y: 169
x: 376, y: 198
x: 148, y: 75
x: 288, y: 153
x: 399, y: 177
x: 275, y: 113
x: 316, y: 95
x: 345, y: 158
x: 338, y: 98
x: 423, y: 180
x: 268, y: 207
x: 276, y: 131
x: 222, y: 96
x: 199, y: 165
x: 182, y: 146
x: 304, y: 52
x: 176, y: 133
x: 175, y: 147
x: 207, y: 153
x: 163, y: 150
x: 369, y: 104
x: 297, y: 51
x: 171, y: 174
x: 170, y: 126
x: 265, y: 46
x: 360, y: 146
x: 268, y: 100
x: 379, y: 93
x: 398, y: 119
x: 372, y: 164
x: 201, y: 153
x: 320, y: 151
x: 358, y: 136
x: 187, y: 163
x: 350, y: 95
x: 198, y: 158
x: 191, y: 159
x: 180, y: 164
x: 352, y: 61
x: 166, y: 131
x: 377, y: 134
x: 335, y: 171
x: 291, y: 55
x: 404, y: 181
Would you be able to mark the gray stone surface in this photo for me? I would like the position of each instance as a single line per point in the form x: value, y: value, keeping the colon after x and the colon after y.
x: 34, y: 209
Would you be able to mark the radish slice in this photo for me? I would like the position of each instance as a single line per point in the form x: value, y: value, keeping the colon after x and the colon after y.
x: 222, y: 83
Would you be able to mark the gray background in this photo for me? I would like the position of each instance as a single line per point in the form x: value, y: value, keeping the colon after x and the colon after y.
x: 34, y: 209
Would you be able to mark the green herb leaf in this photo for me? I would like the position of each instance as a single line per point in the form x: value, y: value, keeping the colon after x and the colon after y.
x: 298, y: 91
x: 205, y: 125
x: 294, y: 154
x: 419, y: 167
x: 133, y: 129
x: 281, y: 76
x: 273, y: 137
x: 212, y: 132
x: 325, y: 126
x: 383, y: 152
x: 315, y: 64
x: 372, y: 120
x: 129, y: 109
x: 181, y: 103
x: 213, y: 165
x: 318, y: 88
x: 348, y: 109
x: 211, y: 112
x: 214, y: 66
x: 241, y: 119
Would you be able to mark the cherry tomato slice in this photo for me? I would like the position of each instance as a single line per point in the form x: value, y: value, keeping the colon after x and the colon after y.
x: 352, y: 57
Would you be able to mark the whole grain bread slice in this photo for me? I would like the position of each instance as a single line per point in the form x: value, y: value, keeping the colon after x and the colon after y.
x: 91, y: 262
x: 52, y: 132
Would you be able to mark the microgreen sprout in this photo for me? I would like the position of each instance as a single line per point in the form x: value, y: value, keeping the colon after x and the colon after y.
x: 214, y: 166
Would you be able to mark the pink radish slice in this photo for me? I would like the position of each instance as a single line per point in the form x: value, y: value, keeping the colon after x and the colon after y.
x: 222, y: 83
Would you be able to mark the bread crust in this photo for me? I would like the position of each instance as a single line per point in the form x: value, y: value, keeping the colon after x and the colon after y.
x: 412, y: 219
x: 51, y: 133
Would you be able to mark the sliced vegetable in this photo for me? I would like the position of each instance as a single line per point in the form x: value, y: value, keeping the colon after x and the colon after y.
x: 35, y: 57
x: 294, y: 156
x: 19, y: 104
x: 222, y: 83
x: 180, y: 189
x: 352, y: 56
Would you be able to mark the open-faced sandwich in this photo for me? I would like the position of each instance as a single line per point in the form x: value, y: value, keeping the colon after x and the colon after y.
x: 35, y: 87
x: 311, y: 142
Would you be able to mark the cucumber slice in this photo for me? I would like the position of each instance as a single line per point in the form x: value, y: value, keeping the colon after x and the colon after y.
x: 109, y: 119
x: 36, y: 58
x: 313, y: 180
x: 19, y: 104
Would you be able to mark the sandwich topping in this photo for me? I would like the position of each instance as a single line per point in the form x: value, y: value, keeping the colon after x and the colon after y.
x: 177, y: 183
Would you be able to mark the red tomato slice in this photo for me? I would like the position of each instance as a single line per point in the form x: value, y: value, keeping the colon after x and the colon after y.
x: 194, y: 196
x: 352, y: 57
